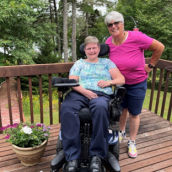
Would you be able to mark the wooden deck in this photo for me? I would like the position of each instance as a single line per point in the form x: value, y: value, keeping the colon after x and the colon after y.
x: 154, y: 145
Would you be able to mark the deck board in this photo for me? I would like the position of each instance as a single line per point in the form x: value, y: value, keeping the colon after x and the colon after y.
x: 154, y: 145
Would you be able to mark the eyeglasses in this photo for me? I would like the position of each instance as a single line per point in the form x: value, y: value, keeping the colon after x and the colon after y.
x: 111, y: 24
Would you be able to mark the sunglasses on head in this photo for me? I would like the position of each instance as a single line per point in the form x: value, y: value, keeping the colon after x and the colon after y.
x: 111, y: 24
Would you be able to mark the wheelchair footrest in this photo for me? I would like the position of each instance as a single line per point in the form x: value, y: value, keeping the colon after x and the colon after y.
x: 113, y: 163
x: 82, y: 169
x: 58, y: 161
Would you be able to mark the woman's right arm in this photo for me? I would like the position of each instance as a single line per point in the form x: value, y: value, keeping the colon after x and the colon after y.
x: 87, y: 93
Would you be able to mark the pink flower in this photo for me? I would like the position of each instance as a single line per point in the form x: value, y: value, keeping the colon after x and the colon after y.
x: 24, y: 125
x: 45, y: 135
x: 2, y: 128
x: 7, y: 137
x: 45, y: 129
x: 32, y: 126
x: 8, y: 126
x: 38, y: 125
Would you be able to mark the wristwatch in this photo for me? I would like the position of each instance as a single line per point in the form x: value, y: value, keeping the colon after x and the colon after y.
x: 150, y: 66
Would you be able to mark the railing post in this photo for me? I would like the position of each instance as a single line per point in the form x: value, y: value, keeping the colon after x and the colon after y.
x: 0, y: 120
x: 152, y: 89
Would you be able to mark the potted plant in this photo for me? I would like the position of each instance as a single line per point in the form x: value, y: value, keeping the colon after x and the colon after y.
x: 28, y: 140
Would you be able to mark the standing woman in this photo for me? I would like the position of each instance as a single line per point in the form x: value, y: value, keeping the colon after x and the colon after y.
x: 127, y: 52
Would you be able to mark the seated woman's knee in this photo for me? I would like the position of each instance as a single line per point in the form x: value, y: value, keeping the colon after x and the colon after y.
x: 101, y: 104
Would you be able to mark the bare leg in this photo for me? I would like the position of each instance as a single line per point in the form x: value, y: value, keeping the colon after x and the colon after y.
x: 123, y: 119
x: 134, y: 122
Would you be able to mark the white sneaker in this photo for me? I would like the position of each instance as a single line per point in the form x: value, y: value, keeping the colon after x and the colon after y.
x: 132, y: 151
x: 121, y: 135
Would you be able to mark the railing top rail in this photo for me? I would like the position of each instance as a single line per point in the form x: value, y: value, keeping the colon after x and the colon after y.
x: 161, y: 64
x: 39, y: 69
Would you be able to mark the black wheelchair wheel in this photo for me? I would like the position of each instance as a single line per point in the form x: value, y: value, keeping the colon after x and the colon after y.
x: 114, y: 149
x: 59, y: 145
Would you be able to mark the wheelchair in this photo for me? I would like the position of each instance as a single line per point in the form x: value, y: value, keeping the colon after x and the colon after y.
x: 58, y: 162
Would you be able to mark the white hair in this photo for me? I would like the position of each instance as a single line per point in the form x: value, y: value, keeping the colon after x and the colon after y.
x: 114, y: 16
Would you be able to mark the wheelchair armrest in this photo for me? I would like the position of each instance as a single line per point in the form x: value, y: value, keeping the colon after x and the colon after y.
x: 64, y: 82
x: 120, y: 92
x: 63, y: 85
x: 114, y: 104
x: 66, y: 85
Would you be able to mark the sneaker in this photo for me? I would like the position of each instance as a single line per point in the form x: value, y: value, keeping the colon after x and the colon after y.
x: 132, y: 151
x: 121, y: 135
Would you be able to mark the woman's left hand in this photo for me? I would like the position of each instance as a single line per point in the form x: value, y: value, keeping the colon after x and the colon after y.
x: 103, y: 84
x: 147, y: 69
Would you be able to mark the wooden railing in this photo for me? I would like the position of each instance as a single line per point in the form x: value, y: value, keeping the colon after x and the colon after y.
x: 29, y: 71
x: 49, y: 69
x: 165, y: 70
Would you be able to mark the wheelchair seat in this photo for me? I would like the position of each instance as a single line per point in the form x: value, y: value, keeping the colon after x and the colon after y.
x: 85, y: 115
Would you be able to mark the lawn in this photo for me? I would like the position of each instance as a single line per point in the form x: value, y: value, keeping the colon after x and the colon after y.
x: 147, y: 100
x: 36, y: 106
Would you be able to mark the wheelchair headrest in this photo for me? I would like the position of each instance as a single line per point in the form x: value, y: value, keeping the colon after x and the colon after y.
x: 104, y: 49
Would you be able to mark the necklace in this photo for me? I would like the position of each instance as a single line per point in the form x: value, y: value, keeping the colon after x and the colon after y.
x: 120, y: 41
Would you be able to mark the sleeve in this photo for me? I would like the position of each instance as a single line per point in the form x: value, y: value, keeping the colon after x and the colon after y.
x: 110, y: 64
x: 144, y: 41
x: 76, y: 68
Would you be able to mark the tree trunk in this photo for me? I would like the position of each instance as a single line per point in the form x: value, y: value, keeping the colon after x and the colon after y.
x: 51, y: 19
x: 57, y: 29
x: 65, y: 41
x: 86, y: 27
x: 74, y: 58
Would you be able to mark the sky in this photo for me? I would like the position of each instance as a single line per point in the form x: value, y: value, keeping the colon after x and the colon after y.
x: 102, y: 9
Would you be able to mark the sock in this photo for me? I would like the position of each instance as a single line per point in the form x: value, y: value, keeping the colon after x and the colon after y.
x: 122, y: 131
x: 133, y: 141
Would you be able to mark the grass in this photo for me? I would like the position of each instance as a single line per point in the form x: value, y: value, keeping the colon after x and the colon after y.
x: 36, y: 106
x: 147, y: 100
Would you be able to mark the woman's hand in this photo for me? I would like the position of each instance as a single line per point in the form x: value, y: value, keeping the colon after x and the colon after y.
x: 89, y: 94
x: 147, y: 69
x: 103, y: 84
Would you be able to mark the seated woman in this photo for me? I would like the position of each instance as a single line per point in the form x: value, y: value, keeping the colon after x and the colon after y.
x: 96, y: 77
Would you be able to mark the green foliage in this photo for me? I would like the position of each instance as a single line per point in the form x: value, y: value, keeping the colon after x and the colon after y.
x: 46, y: 55
x: 26, y: 134
x: 155, y: 19
x: 22, y: 23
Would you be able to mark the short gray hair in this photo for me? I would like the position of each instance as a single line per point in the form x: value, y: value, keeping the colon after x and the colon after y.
x: 114, y: 16
x: 91, y: 40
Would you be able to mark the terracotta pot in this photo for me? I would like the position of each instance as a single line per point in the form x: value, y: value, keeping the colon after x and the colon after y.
x: 30, y: 156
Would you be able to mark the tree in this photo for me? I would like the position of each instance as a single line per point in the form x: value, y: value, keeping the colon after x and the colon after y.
x: 74, y: 58
x: 154, y: 18
x: 46, y: 55
x: 65, y: 40
x: 22, y: 23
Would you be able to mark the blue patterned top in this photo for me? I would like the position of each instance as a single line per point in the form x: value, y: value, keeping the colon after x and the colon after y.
x: 90, y: 73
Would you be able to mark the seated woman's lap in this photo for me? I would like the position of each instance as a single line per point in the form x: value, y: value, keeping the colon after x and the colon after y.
x: 74, y: 101
x: 70, y: 124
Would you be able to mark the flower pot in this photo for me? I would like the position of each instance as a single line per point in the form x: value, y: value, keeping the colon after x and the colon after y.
x: 30, y: 156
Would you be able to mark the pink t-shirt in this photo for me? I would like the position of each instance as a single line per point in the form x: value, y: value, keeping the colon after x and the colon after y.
x: 129, y: 56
